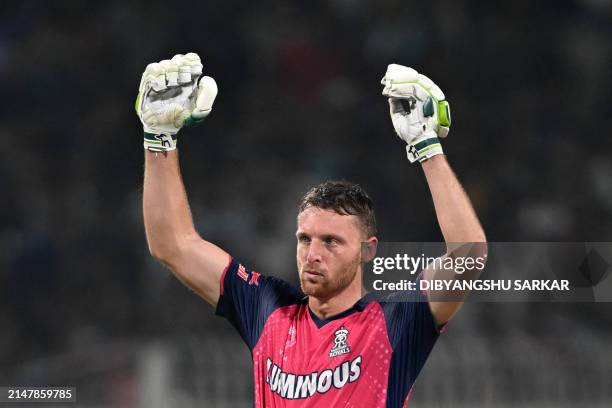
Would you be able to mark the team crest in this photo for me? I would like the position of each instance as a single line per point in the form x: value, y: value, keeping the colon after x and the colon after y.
x: 340, y: 347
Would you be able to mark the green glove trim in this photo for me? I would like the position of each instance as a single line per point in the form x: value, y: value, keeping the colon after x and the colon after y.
x: 444, y: 116
x: 159, y: 143
x: 424, y: 149
x: 152, y: 137
x: 425, y: 143
x: 428, y: 148
x: 428, y: 107
x: 191, y: 121
x: 137, y: 103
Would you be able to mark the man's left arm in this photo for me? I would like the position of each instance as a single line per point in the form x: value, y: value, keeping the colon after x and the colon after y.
x: 461, y: 230
x: 421, y: 116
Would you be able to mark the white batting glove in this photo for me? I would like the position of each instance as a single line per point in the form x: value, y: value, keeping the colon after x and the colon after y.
x: 171, y: 96
x: 418, y: 111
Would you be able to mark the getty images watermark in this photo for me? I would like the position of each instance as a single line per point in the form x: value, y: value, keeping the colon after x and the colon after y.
x: 493, y: 272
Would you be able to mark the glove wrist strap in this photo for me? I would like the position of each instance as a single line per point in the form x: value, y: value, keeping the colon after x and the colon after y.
x: 424, y: 149
x: 159, y: 143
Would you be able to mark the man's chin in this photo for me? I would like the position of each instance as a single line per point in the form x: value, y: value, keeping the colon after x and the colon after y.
x: 312, y: 289
x: 318, y: 290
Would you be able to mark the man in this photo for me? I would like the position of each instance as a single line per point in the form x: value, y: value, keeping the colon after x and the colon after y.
x: 323, y: 345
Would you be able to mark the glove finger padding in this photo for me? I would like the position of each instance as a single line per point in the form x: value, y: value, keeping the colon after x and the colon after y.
x: 171, y: 69
x: 399, y: 81
x: 172, y: 95
x: 418, y: 110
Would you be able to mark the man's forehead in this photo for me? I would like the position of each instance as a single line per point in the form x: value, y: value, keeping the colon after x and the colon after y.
x: 319, y: 218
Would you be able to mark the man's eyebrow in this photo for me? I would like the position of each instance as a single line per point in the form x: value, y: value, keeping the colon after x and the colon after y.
x: 302, y: 234
x: 334, y: 236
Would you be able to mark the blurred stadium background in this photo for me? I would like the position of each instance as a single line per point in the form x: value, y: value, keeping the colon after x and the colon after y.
x: 82, y: 303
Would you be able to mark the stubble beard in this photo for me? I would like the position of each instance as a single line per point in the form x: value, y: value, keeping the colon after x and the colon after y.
x: 327, y: 286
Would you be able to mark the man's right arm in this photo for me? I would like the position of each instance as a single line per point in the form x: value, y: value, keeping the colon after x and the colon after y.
x: 171, y: 235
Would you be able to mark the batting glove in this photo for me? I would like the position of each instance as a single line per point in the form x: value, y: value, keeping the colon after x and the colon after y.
x: 418, y: 111
x: 171, y: 96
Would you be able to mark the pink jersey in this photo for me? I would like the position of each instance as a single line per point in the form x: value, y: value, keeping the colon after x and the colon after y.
x: 367, y: 356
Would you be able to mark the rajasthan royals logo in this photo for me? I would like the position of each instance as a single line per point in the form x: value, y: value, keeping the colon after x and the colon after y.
x: 340, y: 347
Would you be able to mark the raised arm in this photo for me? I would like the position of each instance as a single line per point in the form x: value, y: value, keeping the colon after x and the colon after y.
x: 171, y: 236
x: 173, y: 95
x: 461, y: 230
x: 420, y: 116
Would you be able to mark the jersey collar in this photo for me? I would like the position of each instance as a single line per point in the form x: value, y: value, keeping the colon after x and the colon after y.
x: 357, y: 307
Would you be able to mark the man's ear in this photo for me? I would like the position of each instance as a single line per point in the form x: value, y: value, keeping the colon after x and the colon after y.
x: 368, y: 249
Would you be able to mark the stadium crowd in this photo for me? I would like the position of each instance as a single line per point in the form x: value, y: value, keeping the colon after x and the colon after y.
x: 299, y: 102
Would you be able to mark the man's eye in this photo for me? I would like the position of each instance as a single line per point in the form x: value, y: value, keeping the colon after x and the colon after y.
x: 303, y: 240
x: 331, y: 241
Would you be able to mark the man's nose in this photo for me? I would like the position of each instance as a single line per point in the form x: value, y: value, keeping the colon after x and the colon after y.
x: 314, y: 252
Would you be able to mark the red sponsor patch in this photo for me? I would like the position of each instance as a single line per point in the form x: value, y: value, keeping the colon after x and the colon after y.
x: 254, y: 279
x: 242, y: 273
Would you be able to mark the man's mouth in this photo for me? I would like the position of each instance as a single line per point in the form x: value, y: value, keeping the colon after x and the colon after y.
x: 309, y: 273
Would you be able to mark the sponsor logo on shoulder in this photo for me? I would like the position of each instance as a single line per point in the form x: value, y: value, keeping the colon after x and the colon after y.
x: 244, y: 275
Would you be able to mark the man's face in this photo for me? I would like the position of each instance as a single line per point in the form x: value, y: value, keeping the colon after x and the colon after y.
x: 328, y: 251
